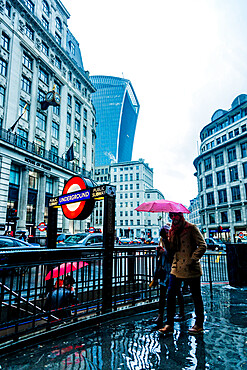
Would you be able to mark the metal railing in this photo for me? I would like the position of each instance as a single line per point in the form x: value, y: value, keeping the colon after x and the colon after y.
x: 24, y: 287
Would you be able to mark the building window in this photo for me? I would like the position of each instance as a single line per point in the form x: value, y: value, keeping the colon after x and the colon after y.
x: 245, y: 169
x: 45, y: 23
x: 207, y: 164
x: 231, y: 154
x: 77, y: 125
x: 14, y: 176
x: 45, y: 8
x: 235, y: 193
x: 70, y: 75
x: 2, y: 96
x: 126, y: 177
x: 85, y: 114
x: 72, y: 47
x: 55, y: 130
x: 5, y: 41
x: 29, y: 32
x: 230, y: 135
x: 41, y: 121
x: 84, y: 131
x: 56, y: 110
x: 211, y: 217
x: 8, y: 9
x: 30, y: 5
x: 78, y: 84
x: 3, y: 68
x: 209, y: 182
x: 22, y: 138
x: 223, y: 138
x: 137, y: 176
x: 121, y: 178
x: 49, y: 185
x: 236, y: 132
x: 243, y: 128
x: 224, y: 217
x: 58, y: 38
x: 67, y: 138
x: 58, y: 24
x: 233, y: 173
x: 238, y: 215
x: 58, y: 63
x: 43, y: 76
x: 221, y: 179
x: 22, y: 105
x: 126, y: 186
x: 25, y: 84
x: 33, y: 180
x: 39, y: 147
x: 41, y: 95
x: 244, y: 150
x: 45, y: 48
x: 222, y: 196
x: 69, y: 100
x: 77, y: 144
x: 77, y: 107
x: 27, y: 61
x: 84, y: 150
x: 54, y: 154
x: 219, y: 159
x: 210, y: 199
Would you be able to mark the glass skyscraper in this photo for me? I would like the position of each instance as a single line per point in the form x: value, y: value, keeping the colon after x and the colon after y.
x: 117, y: 111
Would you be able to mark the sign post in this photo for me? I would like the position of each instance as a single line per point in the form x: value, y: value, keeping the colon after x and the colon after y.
x: 78, y: 205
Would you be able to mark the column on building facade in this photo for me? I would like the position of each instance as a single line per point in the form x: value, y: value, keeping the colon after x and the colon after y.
x: 40, y: 209
x: 34, y: 99
x: 5, y: 164
x: 23, y: 198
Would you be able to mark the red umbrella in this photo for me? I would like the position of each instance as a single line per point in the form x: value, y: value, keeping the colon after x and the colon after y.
x: 64, y: 269
x: 162, y: 205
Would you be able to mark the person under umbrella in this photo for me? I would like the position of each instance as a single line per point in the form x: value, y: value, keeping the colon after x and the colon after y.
x: 61, y: 297
x: 188, y: 245
x: 162, y: 274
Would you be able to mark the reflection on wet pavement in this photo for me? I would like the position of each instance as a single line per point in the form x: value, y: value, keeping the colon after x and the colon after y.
x: 134, y: 343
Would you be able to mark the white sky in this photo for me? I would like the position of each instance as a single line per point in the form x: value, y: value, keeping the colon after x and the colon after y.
x: 185, y: 60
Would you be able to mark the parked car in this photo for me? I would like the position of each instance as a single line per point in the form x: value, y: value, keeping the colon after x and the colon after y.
x: 215, y: 244
x: 10, y: 243
x: 81, y: 240
x: 156, y: 241
x: 123, y: 241
x: 137, y: 241
x: 62, y: 237
x: 149, y: 241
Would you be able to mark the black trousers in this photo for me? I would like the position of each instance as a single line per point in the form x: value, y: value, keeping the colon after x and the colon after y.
x: 195, y: 289
x: 162, y: 300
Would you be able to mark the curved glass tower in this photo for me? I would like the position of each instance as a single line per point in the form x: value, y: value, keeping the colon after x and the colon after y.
x: 117, y: 111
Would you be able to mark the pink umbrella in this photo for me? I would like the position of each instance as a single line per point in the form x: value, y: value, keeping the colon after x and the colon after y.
x: 64, y: 269
x: 162, y: 205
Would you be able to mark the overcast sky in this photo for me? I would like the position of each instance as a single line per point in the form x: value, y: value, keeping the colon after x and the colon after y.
x: 185, y: 60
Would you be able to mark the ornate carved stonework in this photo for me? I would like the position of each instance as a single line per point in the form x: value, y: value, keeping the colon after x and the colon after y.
x: 21, y: 26
x: 52, y: 58
x: 38, y: 43
x: 64, y: 72
x: 2, y: 6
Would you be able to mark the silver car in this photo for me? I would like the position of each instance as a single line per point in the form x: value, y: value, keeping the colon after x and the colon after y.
x: 81, y: 240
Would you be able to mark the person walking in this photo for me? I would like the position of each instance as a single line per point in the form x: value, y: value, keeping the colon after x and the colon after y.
x: 162, y: 273
x: 187, y: 245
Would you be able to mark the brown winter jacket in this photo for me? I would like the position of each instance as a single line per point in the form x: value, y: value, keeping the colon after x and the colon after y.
x: 185, y: 262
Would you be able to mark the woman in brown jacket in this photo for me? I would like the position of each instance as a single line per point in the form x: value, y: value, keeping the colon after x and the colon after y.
x: 187, y: 245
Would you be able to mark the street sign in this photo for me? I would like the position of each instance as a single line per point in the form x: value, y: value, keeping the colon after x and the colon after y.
x: 91, y: 230
x: 241, y: 235
x: 76, y: 199
x: 42, y: 226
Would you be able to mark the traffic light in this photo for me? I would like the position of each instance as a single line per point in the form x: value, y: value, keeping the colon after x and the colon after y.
x: 220, y: 229
x: 12, y: 215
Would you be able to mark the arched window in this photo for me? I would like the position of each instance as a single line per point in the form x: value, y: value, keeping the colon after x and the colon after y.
x: 58, y: 25
x: 46, y: 8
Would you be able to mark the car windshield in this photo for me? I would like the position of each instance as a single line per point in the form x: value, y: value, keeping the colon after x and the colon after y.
x: 75, y: 238
x: 219, y: 241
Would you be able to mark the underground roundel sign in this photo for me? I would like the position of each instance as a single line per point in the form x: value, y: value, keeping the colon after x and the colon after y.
x: 82, y: 209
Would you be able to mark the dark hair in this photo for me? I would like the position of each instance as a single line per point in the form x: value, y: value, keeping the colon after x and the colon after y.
x: 164, y: 230
x: 69, y: 280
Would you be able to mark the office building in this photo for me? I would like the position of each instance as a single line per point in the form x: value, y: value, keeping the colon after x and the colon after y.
x: 221, y: 170
x: 117, y: 111
x: 39, y: 55
x: 134, y: 186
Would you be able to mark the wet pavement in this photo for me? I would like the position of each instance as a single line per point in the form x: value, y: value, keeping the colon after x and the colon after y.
x: 134, y: 343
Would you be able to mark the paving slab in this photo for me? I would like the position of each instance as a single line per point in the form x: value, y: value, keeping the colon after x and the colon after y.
x: 134, y: 343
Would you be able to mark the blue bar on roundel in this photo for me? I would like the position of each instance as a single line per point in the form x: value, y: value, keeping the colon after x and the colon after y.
x: 74, y: 197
